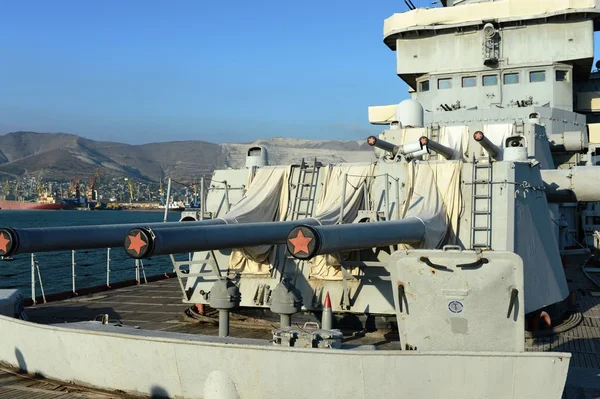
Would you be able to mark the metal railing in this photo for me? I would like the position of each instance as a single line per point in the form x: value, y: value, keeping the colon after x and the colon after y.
x: 36, y: 276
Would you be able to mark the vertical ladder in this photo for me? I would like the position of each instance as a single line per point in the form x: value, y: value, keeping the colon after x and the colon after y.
x: 519, y: 128
x: 302, y: 207
x: 481, y: 205
x: 304, y: 201
x: 434, y: 134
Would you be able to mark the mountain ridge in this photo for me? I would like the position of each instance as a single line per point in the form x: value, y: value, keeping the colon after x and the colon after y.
x: 61, y: 156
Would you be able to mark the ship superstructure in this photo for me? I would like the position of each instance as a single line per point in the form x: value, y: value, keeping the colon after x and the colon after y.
x: 525, y: 65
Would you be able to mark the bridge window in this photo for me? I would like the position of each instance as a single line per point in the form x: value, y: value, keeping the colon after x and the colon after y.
x: 537, y: 76
x: 490, y: 80
x: 445, y: 83
x: 511, y: 78
x: 561, y: 76
x: 469, y: 81
x: 424, y: 86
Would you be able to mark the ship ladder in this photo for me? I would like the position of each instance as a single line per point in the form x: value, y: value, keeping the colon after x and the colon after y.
x: 302, y: 207
x: 435, y: 136
x: 306, y: 187
x: 481, y: 205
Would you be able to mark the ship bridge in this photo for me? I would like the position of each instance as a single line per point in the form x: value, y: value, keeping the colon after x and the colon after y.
x: 473, y: 55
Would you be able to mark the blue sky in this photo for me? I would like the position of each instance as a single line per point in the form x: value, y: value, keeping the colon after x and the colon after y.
x: 143, y: 71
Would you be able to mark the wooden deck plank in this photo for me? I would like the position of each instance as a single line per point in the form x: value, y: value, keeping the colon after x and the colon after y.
x: 16, y: 385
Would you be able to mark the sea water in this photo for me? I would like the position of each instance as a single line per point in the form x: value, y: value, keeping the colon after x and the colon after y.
x: 90, y: 265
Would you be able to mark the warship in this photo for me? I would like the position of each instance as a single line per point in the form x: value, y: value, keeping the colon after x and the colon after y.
x: 458, y: 263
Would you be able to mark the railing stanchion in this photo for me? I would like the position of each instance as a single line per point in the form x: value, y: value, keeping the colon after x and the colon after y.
x: 137, y: 271
x: 108, y: 267
x: 143, y: 271
x: 37, y: 266
x: 73, y: 270
x: 33, y: 278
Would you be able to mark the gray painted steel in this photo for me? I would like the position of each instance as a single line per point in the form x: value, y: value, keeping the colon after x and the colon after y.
x: 47, y: 239
x: 490, y: 147
x: 437, y: 147
x: 286, y: 299
x: 356, y: 236
x: 576, y: 184
x: 383, y: 145
x: 190, y: 238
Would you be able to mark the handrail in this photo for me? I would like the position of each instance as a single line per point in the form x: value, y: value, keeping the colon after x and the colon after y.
x: 36, y: 276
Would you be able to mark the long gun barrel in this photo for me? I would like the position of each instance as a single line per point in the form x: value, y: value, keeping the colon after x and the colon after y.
x: 579, y: 183
x: 306, y: 242
x: 47, y: 239
x: 490, y: 147
x: 144, y: 242
x: 383, y: 145
x: 569, y: 141
x: 437, y: 147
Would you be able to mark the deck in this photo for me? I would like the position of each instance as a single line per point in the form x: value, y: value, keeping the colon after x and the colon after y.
x: 158, y: 306
x: 16, y: 385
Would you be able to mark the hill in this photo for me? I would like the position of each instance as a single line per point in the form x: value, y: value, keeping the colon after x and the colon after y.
x: 62, y: 156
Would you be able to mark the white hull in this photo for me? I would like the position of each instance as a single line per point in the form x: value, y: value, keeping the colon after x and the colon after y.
x: 178, y: 365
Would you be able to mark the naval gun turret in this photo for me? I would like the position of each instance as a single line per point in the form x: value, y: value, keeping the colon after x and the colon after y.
x: 451, y: 237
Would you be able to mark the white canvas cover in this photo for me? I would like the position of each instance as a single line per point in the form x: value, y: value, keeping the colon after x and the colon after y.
x: 266, y: 200
x: 434, y: 197
x: 457, y: 138
x: 497, y: 134
x: 327, y: 210
x: 268, y: 197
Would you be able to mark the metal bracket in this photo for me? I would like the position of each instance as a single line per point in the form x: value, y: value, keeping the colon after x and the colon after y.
x: 214, y: 270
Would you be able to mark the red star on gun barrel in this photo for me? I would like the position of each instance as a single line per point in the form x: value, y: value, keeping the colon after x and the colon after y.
x: 136, y: 243
x: 300, y: 243
x: 4, y: 241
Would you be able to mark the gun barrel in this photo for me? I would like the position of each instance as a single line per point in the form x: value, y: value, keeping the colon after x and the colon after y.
x: 569, y: 141
x: 306, y: 242
x: 490, y: 147
x: 578, y: 184
x: 144, y: 242
x: 437, y: 147
x: 384, y: 145
x: 48, y: 239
